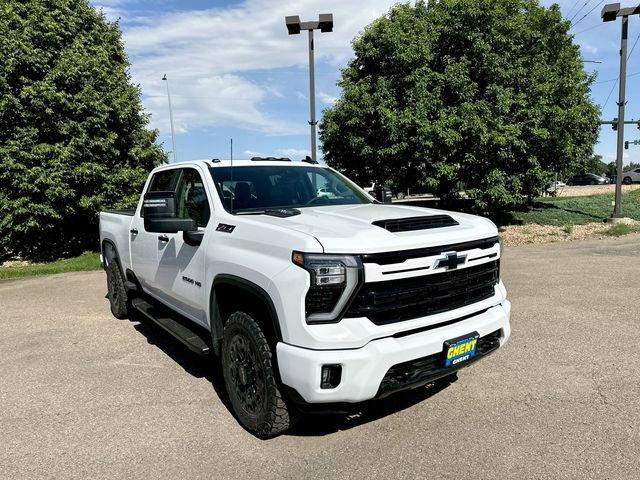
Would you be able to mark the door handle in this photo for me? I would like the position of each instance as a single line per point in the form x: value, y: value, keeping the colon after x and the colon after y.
x: 163, y: 238
x: 133, y: 231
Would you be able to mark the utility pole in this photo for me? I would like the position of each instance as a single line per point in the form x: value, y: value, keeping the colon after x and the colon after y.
x: 610, y: 13
x: 294, y: 26
x: 173, y: 133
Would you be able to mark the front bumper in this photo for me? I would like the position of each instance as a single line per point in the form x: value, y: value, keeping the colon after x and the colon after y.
x: 363, y: 369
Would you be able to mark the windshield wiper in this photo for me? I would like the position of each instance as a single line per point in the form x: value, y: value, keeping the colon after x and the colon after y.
x: 273, y: 212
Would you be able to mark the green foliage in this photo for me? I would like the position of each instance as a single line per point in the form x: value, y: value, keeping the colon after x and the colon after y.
x: 620, y: 229
x: 594, y: 164
x: 73, y: 138
x: 487, y: 96
x: 561, y: 211
x: 81, y: 263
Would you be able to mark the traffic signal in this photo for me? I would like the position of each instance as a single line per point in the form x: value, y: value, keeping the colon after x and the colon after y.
x: 615, y: 124
x: 626, y: 145
x: 638, y: 124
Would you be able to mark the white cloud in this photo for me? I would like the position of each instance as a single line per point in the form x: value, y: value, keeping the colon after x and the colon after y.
x: 251, y: 153
x: 219, y: 100
x: 293, y: 153
x: 205, y: 53
x: 328, y: 99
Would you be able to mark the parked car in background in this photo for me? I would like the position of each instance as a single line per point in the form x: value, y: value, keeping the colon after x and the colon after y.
x: 631, y: 176
x: 555, y: 186
x: 587, y: 179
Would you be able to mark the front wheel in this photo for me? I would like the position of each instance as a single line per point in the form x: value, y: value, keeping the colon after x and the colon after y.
x: 248, y: 369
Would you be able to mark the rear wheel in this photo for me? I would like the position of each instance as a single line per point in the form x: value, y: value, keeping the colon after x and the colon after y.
x: 627, y: 180
x: 249, y: 376
x: 117, y: 293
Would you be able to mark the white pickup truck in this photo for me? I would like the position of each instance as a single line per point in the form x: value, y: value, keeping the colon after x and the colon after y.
x: 309, y: 300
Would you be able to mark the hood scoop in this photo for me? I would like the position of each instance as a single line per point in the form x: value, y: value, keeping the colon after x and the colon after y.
x: 416, y: 223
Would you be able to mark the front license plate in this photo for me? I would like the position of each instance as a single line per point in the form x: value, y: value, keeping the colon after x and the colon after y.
x: 460, y: 350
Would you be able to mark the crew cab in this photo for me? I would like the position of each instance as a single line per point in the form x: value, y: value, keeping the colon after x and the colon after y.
x: 310, y: 300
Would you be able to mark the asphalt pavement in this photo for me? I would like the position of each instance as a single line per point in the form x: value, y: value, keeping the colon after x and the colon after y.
x: 83, y: 395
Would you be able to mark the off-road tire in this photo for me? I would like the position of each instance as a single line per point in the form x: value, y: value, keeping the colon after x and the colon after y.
x: 116, y: 291
x: 272, y: 415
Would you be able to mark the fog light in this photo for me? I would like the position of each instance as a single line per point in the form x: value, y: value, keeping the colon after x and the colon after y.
x: 331, y: 376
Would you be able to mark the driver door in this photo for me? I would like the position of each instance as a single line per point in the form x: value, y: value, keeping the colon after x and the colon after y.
x: 181, y: 266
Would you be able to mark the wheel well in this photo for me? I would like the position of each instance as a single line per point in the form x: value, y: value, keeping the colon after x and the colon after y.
x: 110, y: 253
x: 232, y: 294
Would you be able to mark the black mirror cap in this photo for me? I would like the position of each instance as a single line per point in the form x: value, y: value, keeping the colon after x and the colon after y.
x: 169, y: 225
x: 159, y: 205
x: 383, y: 194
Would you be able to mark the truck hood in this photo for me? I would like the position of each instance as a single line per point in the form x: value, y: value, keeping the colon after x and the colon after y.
x: 350, y: 228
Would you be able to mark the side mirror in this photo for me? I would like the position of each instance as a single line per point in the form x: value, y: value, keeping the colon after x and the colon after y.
x: 160, y: 214
x: 383, y: 194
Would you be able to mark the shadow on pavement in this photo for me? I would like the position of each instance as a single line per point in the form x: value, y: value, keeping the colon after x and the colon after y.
x: 311, y: 424
x: 318, y: 424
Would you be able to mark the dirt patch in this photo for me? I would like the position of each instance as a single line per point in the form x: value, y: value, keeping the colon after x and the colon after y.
x: 583, y: 191
x: 534, y: 233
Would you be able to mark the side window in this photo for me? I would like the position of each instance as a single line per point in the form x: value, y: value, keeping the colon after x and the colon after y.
x: 164, y: 181
x: 191, y: 197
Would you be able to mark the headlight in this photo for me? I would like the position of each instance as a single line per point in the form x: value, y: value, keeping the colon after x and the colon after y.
x: 334, y: 279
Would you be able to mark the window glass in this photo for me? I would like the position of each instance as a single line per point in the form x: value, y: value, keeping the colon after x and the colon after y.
x: 260, y: 187
x: 191, y: 197
x: 164, y: 181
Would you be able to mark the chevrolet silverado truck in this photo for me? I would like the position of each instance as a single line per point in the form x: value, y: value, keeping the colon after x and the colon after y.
x: 311, y: 292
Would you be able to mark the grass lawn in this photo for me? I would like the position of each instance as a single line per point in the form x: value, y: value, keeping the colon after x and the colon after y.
x: 84, y: 262
x: 566, y: 211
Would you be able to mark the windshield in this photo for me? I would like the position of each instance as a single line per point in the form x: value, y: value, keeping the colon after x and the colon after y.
x: 266, y: 187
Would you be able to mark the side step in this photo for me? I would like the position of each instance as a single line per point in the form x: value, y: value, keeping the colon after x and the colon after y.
x: 167, y: 321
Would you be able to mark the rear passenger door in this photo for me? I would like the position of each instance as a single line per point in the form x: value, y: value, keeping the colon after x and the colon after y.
x: 179, y: 279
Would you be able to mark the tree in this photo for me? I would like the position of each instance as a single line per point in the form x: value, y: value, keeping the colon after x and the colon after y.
x: 593, y: 164
x: 73, y: 137
x: 488, y: 96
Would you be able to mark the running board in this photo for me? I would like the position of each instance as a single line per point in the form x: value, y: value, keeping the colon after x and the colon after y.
x: 165, y: 320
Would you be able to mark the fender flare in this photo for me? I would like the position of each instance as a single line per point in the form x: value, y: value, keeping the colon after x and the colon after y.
x: 110, y: 253
x: 248, y: 286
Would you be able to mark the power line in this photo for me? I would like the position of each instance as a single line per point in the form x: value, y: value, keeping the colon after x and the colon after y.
x: 587, y: 14
x: 574, y: 6
x: 590, y: 28
x: 635, y: 44
x: 579, y: 10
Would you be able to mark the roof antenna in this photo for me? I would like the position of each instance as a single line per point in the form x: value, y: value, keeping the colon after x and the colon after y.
x: 231, y: 176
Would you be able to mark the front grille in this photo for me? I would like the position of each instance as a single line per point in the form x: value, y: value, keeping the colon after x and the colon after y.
x: 416, y: 223
x: 396, y: 300
x: 421, y: 371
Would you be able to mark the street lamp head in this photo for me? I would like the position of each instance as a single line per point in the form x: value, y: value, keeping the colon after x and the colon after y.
x: 293, y: 24
x: 610, y: 12
x: 325, y: 23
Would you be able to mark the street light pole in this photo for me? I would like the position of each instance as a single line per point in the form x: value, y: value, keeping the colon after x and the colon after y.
x: 610, y: 13
x: 617, y: 210
x: 312, y: 96
x: 294, y: 27
x: 173, y: 133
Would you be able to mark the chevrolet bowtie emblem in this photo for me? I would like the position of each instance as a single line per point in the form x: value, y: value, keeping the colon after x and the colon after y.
x: 451, y: 260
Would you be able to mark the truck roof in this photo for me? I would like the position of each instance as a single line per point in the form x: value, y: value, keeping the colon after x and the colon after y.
x: 254, y: 163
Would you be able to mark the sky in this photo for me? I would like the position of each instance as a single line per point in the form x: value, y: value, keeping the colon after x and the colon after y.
x: 233, y: 72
